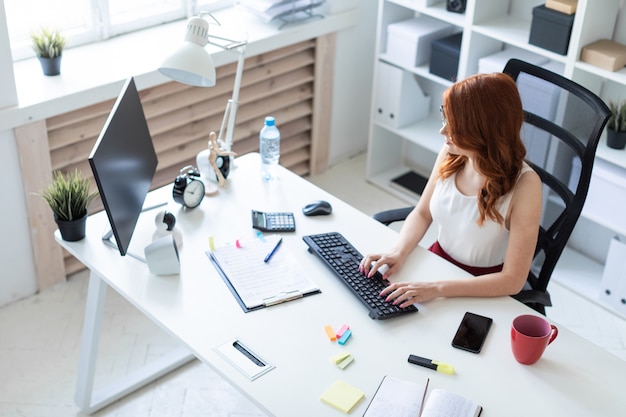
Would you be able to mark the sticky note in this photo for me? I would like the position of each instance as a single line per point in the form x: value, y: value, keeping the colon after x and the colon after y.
x: 340, y: 357
x: 330, y: 333
x: 344, y: 338
x: 342, y: 396
x: 347, y: 361
x: 342, y: 330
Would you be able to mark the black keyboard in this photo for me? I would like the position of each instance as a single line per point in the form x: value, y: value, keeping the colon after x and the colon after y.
x: 339, y: 254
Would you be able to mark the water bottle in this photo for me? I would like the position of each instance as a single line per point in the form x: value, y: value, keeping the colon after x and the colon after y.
x: 269, y: 144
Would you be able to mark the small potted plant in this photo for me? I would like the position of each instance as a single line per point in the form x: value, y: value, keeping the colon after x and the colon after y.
x: 616, y: 126
x: 69, y: 196
x: 48, y: 45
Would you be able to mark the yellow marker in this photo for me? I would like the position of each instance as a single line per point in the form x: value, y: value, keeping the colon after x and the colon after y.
x: 211, y: 243
x: 330, y: 333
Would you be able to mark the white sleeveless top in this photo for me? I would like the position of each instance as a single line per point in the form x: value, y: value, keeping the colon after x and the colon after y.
x: 459, y: 234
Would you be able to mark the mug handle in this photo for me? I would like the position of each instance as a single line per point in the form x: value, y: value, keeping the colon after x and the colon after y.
x: 553, y: 333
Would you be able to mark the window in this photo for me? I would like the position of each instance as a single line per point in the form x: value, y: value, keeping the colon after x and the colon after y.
x: 85, y: 21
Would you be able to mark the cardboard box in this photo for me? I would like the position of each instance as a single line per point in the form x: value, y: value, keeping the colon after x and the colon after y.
x: 550, y: 29
x: 563, y: 6
x: 444, y: 60
x: 605, y: 54
x: 408, y: 41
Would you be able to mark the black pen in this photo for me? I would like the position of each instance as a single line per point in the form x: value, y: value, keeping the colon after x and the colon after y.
x: 269, y: 255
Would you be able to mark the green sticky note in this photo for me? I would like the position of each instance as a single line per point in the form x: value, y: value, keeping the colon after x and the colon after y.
x: 342, y: 396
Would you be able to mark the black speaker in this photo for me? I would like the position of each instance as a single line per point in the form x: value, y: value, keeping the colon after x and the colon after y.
x: 456, y: 6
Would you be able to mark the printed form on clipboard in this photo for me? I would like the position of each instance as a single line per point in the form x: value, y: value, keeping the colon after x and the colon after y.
x: 257, y: 283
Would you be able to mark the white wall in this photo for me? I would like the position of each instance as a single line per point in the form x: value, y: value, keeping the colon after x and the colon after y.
x: 17, y: 277
x: 17, y: 270
x: 353, y: 85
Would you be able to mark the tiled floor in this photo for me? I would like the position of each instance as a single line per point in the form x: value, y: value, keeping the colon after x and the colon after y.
x: 39, y: 340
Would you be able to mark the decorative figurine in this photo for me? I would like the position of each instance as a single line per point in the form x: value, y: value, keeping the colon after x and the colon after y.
x: 214, y: 162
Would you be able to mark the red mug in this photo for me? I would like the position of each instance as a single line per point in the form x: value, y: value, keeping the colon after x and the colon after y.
x: 530, y: 335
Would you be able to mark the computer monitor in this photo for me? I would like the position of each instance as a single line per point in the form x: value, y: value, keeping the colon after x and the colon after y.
x: 123, y: 162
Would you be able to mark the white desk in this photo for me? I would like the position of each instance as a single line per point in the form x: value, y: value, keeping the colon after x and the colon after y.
x: 574, y: 378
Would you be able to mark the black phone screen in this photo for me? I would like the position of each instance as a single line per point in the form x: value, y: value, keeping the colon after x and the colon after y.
x: 472, y: 332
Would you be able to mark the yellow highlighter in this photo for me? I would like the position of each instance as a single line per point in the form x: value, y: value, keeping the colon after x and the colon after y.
x: 431, y: 364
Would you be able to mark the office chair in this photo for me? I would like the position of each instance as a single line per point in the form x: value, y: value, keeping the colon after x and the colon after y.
x: 562, y: 127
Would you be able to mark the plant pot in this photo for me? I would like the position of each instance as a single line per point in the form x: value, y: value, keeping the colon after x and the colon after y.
x: 615, y: 140
x: 73, y: 230
x: 50, y: 66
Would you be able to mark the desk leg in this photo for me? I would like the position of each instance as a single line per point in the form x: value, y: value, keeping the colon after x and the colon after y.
x: 90, y: 401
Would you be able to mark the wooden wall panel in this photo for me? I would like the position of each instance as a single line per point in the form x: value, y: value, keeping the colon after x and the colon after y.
x: 281, y: 83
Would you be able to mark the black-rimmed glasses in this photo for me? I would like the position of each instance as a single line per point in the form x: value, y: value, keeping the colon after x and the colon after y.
x: 443, y: 116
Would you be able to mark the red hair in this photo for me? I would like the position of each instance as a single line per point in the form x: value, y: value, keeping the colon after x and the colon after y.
x: 484, y: 116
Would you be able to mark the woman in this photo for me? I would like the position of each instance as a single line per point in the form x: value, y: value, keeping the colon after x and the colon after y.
x: 484, y: 199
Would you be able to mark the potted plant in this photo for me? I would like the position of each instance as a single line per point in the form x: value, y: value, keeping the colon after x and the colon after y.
x: 48, y: 45
x: 616, y: 126
x: 69, y: 196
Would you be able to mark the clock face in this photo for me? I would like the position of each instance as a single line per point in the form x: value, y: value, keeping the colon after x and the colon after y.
x: 194, y: 193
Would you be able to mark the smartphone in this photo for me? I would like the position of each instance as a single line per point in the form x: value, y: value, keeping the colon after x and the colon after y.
x: 472, y: 332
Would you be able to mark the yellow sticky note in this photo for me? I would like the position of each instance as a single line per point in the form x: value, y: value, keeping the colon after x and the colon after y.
x: 342, y: 396
x: 340, y: 357
x: 347, y: 361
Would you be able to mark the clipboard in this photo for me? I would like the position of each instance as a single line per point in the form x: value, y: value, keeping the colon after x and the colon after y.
x: 257, y: 284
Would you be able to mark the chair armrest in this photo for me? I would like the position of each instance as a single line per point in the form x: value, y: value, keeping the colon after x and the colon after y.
x: 537, y: 300
x: 390, y: 216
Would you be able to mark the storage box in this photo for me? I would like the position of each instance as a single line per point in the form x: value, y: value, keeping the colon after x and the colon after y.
x: 496, y: 62
x: 398, y: 98
x: 613, y: 286
x: 550, y: 29
x: 444, y: 58
x: 605, y: 54
x: 408, y: 41
x: 563, y: 6
x: 608, y: 183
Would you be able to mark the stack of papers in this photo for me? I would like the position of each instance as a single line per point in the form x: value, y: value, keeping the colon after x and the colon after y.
x: 269, y: 10
x: 257, y: 283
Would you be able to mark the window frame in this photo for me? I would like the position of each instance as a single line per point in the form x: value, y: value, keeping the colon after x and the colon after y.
x: 101, y: 28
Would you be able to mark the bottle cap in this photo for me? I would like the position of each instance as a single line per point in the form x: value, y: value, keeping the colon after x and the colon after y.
x: 269, y: 121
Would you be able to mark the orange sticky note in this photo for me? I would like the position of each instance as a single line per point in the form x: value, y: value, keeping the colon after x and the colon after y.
x: 330, y: 333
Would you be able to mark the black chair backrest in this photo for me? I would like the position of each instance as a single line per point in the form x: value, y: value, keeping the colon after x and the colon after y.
x: 562, y: 129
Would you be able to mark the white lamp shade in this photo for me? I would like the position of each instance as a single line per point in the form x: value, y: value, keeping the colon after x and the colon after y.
x: 190, y: 64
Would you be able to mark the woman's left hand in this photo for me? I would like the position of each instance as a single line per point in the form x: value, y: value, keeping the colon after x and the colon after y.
x: 406, y: 293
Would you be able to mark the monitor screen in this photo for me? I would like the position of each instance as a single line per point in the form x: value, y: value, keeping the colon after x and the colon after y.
x: 123, y: 162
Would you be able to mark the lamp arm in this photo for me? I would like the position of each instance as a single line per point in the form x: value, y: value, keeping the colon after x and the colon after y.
x: 230, y: 113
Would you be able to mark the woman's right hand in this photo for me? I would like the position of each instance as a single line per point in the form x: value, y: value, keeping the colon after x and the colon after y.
x: 371, y: 263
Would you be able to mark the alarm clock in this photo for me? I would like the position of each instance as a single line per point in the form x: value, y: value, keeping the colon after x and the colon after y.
x: 188, y: 188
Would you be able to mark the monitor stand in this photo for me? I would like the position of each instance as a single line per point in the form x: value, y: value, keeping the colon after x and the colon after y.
x: 108, y: 237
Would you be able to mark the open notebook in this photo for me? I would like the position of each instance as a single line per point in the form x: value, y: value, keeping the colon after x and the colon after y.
x: 256, y: 283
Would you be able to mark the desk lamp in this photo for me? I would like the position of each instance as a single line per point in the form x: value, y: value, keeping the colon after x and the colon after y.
x: 191, y: 64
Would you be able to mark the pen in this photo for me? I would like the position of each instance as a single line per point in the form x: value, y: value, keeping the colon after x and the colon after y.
x: 269, y: 255
x: 431, y: 364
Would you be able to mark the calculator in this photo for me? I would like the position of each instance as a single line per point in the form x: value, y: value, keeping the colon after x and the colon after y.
x: 274, y: 221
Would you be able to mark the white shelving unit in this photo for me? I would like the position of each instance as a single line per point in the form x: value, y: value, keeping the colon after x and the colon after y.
x: 488, y: 27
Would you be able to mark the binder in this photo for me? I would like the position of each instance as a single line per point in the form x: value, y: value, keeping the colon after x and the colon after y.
x: 257, y: 284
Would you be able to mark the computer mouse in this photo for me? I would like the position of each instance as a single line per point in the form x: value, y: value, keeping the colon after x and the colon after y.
x: 317, y: 208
